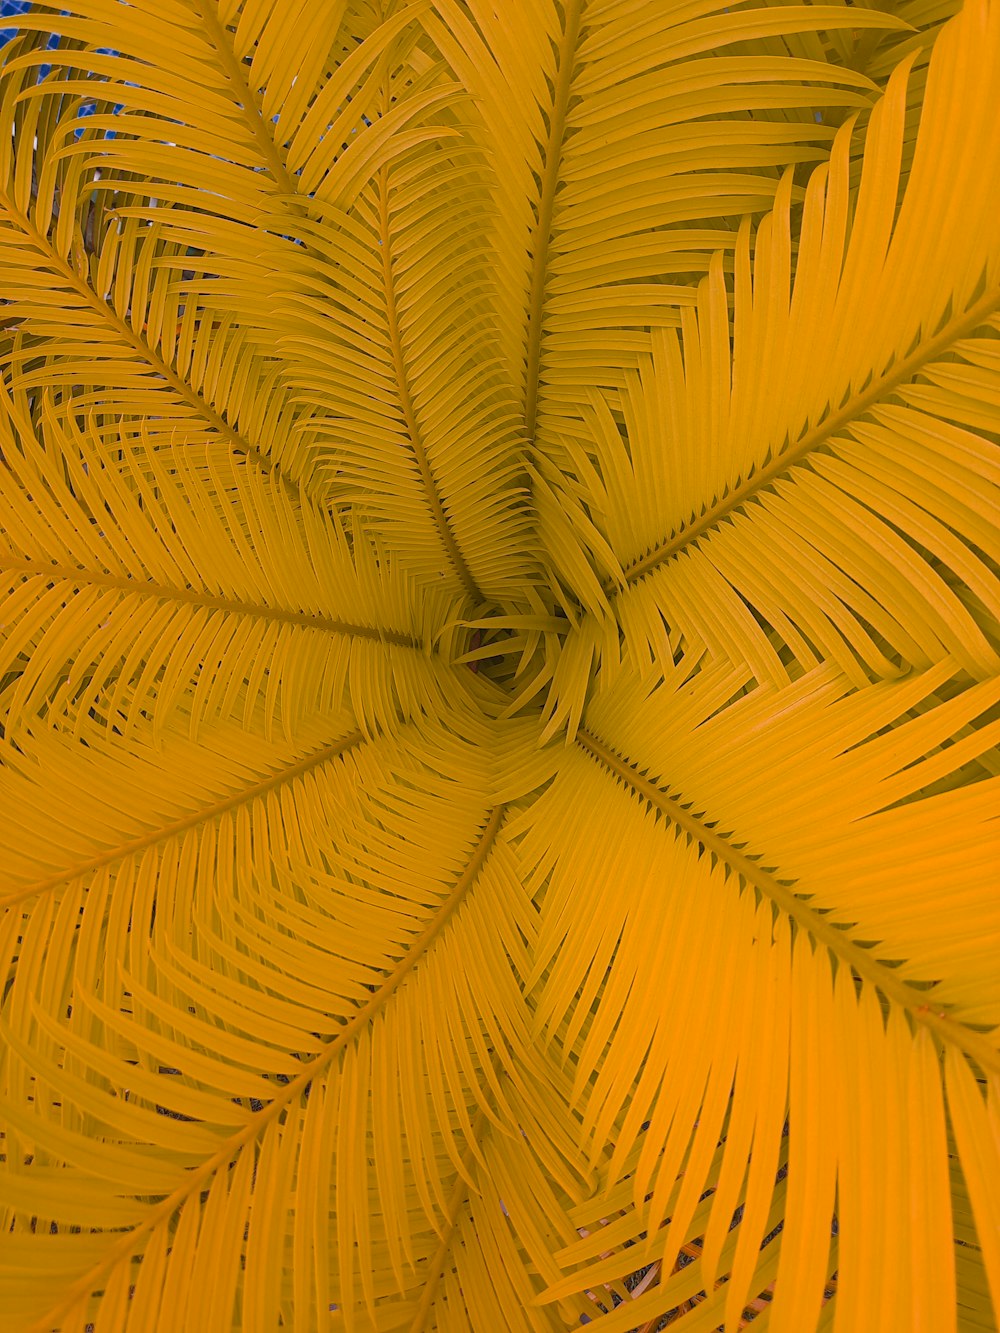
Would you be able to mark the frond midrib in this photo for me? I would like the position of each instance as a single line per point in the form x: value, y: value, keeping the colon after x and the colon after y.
x: 948, y: 1030
x: 960, y: 326
x: 457, y: 1201
x: 427, y: 481
x: 248, y: 103
x: 188, y: 821
x: 542, y: 232
x: 238, y: 443
x: 190, y: 596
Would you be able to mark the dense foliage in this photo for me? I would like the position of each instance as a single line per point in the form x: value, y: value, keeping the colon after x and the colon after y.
x: 500, y: 666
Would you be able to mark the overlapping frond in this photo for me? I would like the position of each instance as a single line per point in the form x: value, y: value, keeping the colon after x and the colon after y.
x: 92, y: 299
x: 341, y: 891
x: 150, y: 574
x: 384, y: 318
x: 791, y: 905
x: 842, y: 426
x: 243, y: 197
x: 631, y: 142
x: 568, y: 96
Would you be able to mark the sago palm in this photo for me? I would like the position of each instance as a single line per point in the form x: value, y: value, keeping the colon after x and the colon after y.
x: 501, y: 666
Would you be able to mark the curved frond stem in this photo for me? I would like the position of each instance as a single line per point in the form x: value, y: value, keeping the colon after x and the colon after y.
x: 949, y: 1031
x: 249, y: 103
x: 960, y: 326
x: 455, y: 557
x: 161, y: 593
x: 196, y: 817
x: 197, y: 1179
x: 456, y: 1203
x: 542, y: 233
x: 215, y: 420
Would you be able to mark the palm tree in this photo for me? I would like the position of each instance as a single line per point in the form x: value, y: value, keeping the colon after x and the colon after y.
x: 501, y: 666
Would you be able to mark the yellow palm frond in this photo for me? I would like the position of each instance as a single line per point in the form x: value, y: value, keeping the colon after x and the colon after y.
x: 836, y: 428
x: 150, y: 573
